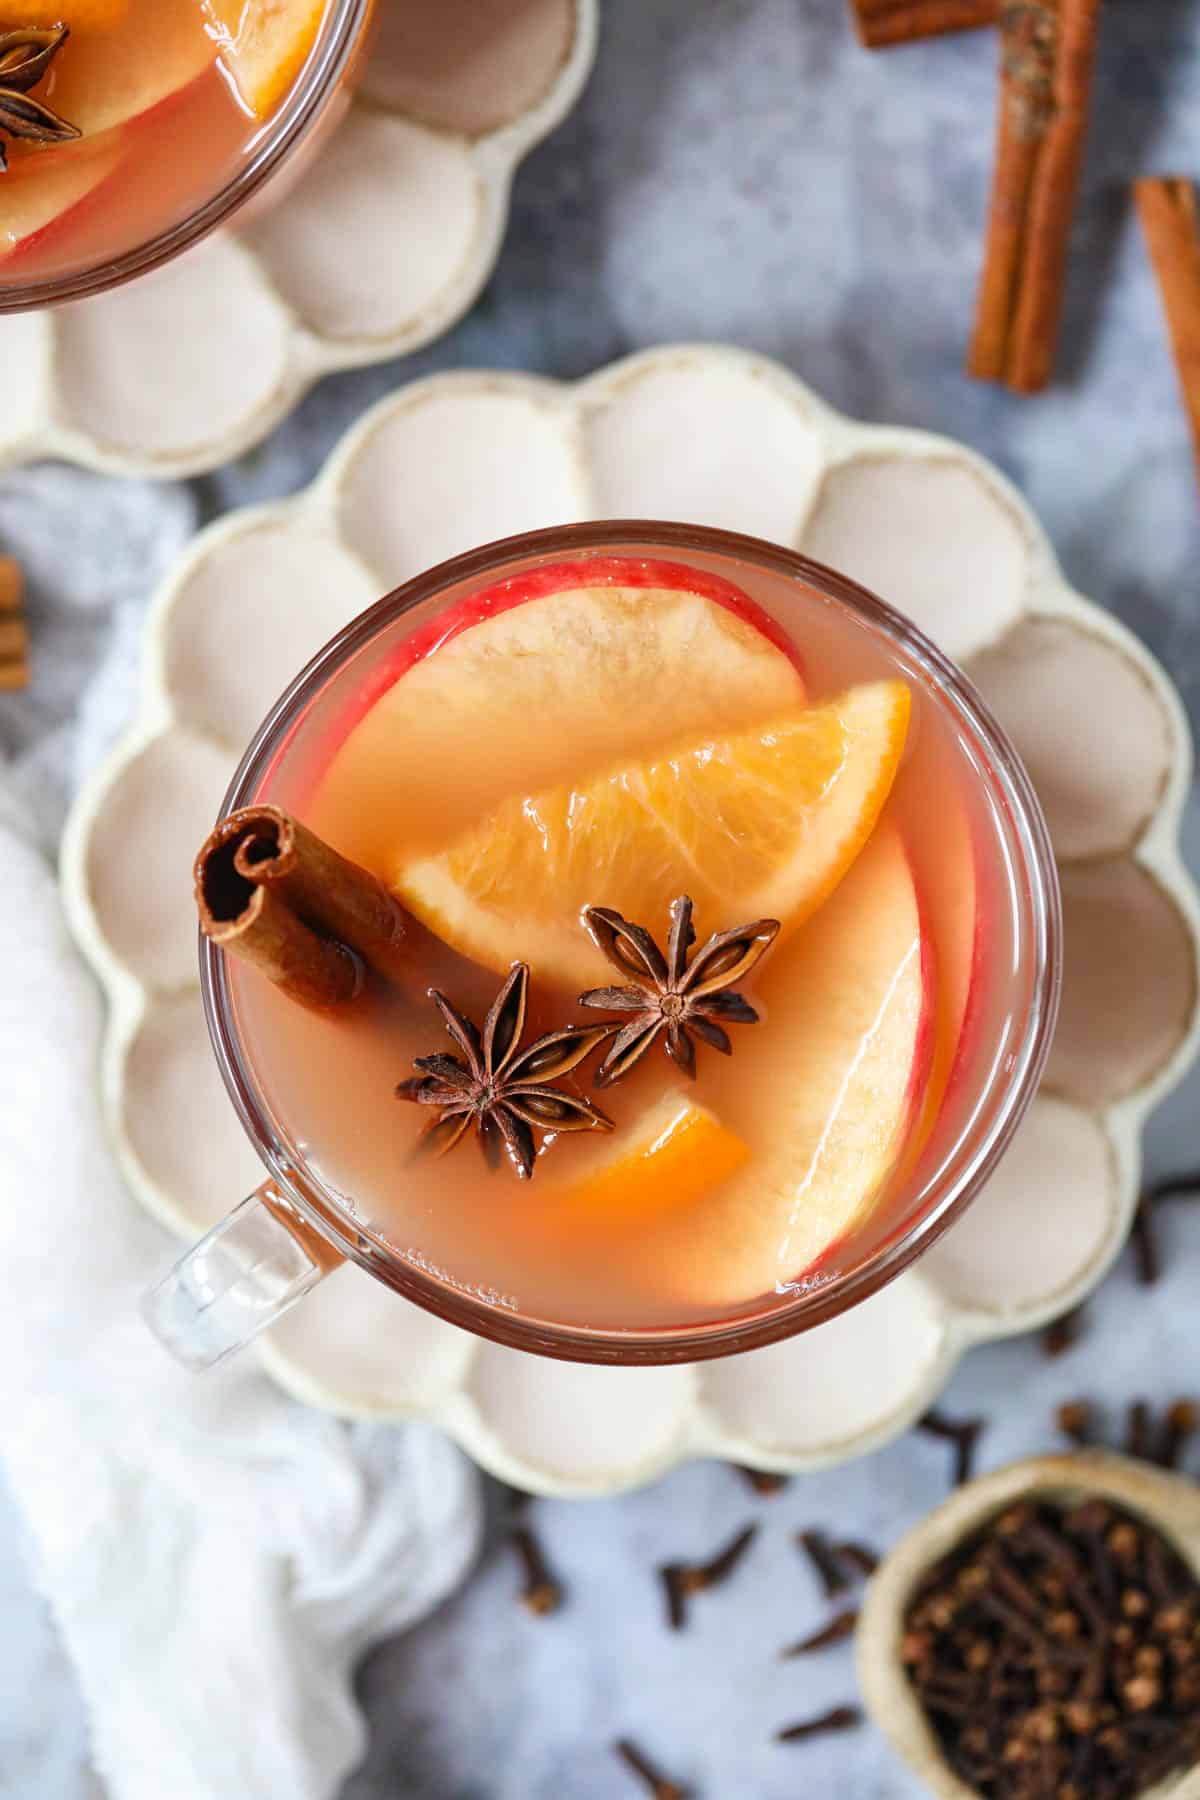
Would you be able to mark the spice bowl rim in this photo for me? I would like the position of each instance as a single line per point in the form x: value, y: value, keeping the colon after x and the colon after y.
x: 1167, y: 1501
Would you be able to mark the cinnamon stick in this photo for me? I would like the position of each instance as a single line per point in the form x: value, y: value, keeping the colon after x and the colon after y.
x: 271, y: 890
x: 1047, y: 54
x: 14, y: 639
x: 1167, y: 208
x: 881, y: 23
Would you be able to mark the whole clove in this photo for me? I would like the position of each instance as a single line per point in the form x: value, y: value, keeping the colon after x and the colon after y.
x: 1181, y: 1422
x: 682, y: 1580
x: 1053, y: 1654
x: 840, y: 1627
x: 1062, y: 1332
x: 1137, y: 1430
x: 1184, y: 1184
x: 838, y: 1718
x: 964, y: 1434
x: 541, y: 1593
x: 860, y: 1557
x: 825, y: 1562
x: 1074, y: 1419
x: 655, y: 1783
x: 1144, y: 1238
x: 764, y: 1482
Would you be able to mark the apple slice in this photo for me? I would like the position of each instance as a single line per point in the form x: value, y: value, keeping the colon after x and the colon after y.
x: 112, y: 84
x: 943, y: 838
x: 44, y: 191
x: 264, y: 45
x: 563, y: 670
x: 825, y: 1090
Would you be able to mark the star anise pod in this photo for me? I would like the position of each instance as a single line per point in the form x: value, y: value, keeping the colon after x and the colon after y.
x: 668, y: 995
x: 25, y: 57
x: 497, y: 1087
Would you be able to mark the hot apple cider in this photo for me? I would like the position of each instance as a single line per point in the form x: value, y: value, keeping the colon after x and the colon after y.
x: 708, y: 938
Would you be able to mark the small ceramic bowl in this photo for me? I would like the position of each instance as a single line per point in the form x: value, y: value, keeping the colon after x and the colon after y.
x: 1170, y: 1503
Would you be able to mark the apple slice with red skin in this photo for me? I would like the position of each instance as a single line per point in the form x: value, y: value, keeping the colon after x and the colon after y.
x: 539, y: 584
x: 945, y: 838
x: 826, y: 1090
x: 549, y: 674
x: 45, y: 193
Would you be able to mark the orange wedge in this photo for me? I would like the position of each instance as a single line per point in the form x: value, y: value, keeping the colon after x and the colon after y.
x: 80, y: 15
x: 676, y: 1153
x: 264, y: 44
x: 763, y: 822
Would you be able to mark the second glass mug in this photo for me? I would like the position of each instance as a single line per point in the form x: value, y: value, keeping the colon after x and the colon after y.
x: 280, y: 1242
x: 279, y: 153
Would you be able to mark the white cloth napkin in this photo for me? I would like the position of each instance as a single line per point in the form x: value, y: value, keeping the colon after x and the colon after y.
x: 217, y: 1555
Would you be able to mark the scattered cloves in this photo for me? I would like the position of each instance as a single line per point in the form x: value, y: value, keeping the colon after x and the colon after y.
x: 1051, y: 1654
x: 682, y: 1580
x: 962, y: 1433
x: 838, y: 1718
x: 653, y: 1780
x: 541, y: 1593
x: 841, y: 1626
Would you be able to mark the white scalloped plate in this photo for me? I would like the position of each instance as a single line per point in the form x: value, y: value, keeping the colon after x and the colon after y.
x: 722, y: 438
x: 377, y: 250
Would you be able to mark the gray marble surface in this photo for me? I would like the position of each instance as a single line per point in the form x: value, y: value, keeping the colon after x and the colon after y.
x: 737, y: 170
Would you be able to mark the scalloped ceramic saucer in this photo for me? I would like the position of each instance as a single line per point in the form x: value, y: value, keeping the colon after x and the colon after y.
x: 379, y: 249
x: 458, y: 459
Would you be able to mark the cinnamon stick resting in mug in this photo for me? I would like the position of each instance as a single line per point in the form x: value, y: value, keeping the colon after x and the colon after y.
x: 272, y: 891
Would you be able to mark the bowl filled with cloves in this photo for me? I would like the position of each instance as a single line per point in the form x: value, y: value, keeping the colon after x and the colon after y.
x: 1037, y: 1637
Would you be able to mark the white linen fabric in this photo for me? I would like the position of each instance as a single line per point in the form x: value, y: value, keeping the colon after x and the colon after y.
x: 217, y: 1555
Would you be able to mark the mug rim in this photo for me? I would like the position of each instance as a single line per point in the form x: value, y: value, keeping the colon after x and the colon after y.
x: 282, y: 134
x: 694, y: 1342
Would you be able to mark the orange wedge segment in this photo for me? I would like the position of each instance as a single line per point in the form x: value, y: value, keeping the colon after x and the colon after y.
x: 676, y: 1153
x: 80, y: 15
x: 264, y: 44
x: 761, y: 823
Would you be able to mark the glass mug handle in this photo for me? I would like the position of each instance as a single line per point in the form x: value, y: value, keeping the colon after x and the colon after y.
x: 245, y: 1274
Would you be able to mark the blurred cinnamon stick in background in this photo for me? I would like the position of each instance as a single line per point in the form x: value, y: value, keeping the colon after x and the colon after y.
x: 1047, y: 54
x: 1167, y: 208
x: 14, y: 640
x: 884, y: 22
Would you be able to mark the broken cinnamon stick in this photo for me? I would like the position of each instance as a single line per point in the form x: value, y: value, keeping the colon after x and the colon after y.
x: 272, y: 891
x: 881, y: 23
x: 1167, y: 208
x: 1047, y: 54
x: 14, y: 640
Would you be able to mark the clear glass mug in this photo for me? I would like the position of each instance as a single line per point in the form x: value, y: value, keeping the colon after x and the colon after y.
x: 310, y: 111
x: 282, y: 1240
